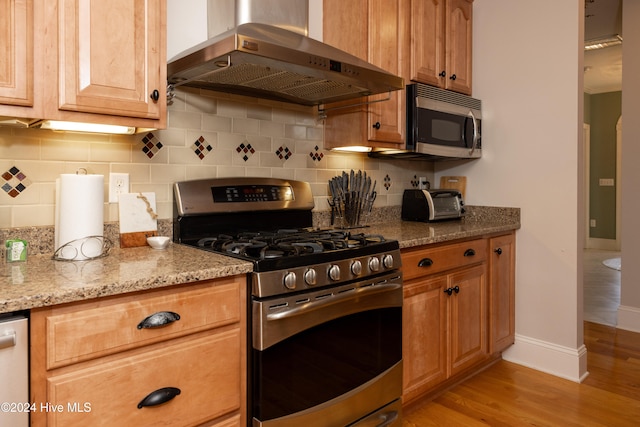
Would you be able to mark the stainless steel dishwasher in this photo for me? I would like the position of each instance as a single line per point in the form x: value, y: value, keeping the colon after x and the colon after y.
x: 14, y: 370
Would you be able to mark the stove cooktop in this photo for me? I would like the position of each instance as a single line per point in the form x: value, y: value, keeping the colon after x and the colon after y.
x: 287, y: 248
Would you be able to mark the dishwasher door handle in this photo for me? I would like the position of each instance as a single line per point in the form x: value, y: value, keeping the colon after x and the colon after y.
x: 8, y: 340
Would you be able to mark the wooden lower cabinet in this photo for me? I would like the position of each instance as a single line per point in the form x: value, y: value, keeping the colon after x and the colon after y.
x: 199, y: 363
x: 502, y: 277
x: 457, y: 314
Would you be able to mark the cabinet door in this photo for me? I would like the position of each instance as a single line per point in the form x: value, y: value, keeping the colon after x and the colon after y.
x: 427, y: 42
x: 111, y: 55
x: 469, y: 319
x: 424, y: 340
x: 375, y: 32
x: 458, y: 44
x: 502, y: 291
x: 16, y: 52
x: 387, y: 41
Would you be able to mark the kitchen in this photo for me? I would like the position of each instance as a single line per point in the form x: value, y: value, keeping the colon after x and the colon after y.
x: 526, y: 177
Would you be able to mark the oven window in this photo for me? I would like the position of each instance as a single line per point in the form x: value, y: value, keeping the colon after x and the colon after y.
x: 325, y: 362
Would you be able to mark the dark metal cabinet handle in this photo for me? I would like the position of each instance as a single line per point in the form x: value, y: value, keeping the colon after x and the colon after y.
x: 453, y: 77
x: 159, y: 319
x: 155, y: 95
x: 450, y: 291
x: 443, y: 73
x: 376, y: 126
x: 498, y: 251
x: 469, y: 252
x: 425, y: 262
x: 158, y: 397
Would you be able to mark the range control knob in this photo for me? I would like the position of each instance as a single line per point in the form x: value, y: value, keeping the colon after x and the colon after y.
x: 334, y: 272
x: 374, y: 264
x: 310, y: 277
x: 387, y: 261
x: 290, y: 280
x: 356, y: 268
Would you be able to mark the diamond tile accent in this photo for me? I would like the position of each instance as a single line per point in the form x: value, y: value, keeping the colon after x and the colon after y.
x: 201, y: 147
x: 387, y: 182
x: 284, y: 153
x: 316, y: 155
x: 151, y: 145
x: 245, y: 150
x: 15, y: 182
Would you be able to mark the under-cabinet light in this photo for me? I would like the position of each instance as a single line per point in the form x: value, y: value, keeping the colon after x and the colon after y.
x: 86, y: 127
x: 353, y: 149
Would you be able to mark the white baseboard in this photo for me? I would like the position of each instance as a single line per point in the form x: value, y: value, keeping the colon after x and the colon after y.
x: 628, y: 318
x: 564, y: 362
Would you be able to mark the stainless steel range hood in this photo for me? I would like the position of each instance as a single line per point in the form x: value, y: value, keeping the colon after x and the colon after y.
x: 267, y: 61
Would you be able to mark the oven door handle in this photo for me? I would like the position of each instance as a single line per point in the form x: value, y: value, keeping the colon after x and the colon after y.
x: 334, y: 299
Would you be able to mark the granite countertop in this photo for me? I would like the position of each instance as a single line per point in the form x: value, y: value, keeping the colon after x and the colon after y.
x: 410, y: 234
x: 41, y: 281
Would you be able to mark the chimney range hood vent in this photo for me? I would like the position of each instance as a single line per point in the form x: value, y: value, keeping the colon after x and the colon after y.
x: 267, y: 61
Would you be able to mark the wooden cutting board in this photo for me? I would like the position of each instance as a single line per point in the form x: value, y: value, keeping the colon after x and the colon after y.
x: 138, y: 218
x: 454, y: 183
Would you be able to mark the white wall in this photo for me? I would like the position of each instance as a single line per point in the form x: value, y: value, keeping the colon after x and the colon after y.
x: 528, y: 74
x: 629, y: 311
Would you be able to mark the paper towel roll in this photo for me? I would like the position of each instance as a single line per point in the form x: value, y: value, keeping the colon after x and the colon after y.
x: 79, y: 214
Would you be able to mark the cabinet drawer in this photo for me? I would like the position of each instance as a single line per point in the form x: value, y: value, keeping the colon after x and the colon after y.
x: 207, y: 370
x: 425, y: 261
x: 88, y: 330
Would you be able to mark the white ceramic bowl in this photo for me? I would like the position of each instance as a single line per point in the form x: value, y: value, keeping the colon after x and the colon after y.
x: 158, y: 242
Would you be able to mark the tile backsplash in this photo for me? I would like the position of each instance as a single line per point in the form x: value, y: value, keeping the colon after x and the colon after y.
x: 209, y: 134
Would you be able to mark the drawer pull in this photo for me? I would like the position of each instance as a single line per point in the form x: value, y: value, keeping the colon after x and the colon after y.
x: 469, y: 252
x: 498, y: 251
x: 159, y: 319
x: 158, y: 397
x: 425, y: 262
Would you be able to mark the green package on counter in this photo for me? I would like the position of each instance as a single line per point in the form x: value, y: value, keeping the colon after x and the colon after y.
x: 16, y: 250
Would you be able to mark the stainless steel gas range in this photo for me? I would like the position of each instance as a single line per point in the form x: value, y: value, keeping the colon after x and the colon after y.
x: 325, y: 326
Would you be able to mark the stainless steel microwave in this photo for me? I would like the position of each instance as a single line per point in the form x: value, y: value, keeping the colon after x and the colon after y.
x: 441, y: 125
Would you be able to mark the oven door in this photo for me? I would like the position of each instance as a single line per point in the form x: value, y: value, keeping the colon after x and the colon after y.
x: 331, y: 357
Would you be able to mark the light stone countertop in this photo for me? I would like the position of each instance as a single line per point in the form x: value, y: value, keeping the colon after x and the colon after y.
x: 41, y: 281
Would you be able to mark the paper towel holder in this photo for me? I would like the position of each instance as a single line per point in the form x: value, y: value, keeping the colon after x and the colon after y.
x: 69, y: 252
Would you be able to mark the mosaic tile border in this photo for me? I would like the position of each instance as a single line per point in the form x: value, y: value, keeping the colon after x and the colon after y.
x: 16, y: 181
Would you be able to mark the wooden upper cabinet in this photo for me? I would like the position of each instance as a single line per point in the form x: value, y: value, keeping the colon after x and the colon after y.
x: 16, y: 52
x: 458, y: 45
x: 427, y: 41
x: 387, y: 37
x: 441, y: 43
x: 84, y: 61
x: 111, y: 57
x: 377, y: 32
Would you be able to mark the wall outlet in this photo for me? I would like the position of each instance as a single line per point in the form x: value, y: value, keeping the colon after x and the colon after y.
x: 118, y: 184
x: 592, y: 223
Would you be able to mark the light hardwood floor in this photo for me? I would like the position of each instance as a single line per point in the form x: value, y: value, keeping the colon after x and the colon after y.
x: 601, y: 288
x: 507, y: 394
x: 511, y: 395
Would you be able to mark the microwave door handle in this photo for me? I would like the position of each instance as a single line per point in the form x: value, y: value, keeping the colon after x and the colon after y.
x: 475, y: 132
